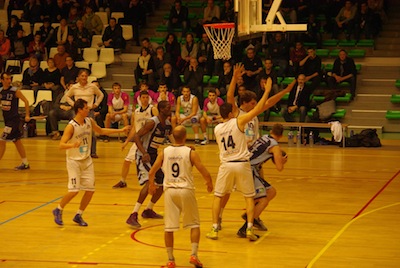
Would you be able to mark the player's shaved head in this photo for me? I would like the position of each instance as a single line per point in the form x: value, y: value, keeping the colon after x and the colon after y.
x: 179, y: 133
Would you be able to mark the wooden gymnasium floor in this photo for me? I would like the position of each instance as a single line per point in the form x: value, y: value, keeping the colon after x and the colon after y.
x: 335, y: 208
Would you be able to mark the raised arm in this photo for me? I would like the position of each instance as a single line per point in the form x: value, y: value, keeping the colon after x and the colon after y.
x: 275, y: 98
x: 238, y: 71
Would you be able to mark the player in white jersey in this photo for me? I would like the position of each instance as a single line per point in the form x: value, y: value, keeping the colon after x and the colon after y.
x: 263, y: 149
x: 211, y: 113
x: 138, y: 118
x: 188, y: 113
x: 248, y: 100
x: 177, y: 162
x: 77, y: 140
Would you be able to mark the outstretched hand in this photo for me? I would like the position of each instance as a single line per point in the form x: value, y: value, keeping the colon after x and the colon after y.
x: 238, y: 70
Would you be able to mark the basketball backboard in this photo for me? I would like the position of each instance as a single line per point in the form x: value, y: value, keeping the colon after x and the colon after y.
x: 249, y: 18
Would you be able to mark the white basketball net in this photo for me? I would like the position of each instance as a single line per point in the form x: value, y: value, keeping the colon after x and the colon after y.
x: 221, y: 40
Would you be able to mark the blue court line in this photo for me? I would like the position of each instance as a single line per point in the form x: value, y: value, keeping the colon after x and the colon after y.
x: 29, y: 211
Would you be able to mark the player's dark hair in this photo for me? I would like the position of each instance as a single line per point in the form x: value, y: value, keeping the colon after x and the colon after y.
x: 162, y: 104
x: 5, y: 73
x: 248, y: 96
x: 277, y: 129
x: 144, y: 92
x: 212, y: 90
x: 79, y: 104
x: 225, y: 109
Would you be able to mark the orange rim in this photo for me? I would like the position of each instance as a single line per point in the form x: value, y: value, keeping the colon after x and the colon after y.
x: 226, y: 25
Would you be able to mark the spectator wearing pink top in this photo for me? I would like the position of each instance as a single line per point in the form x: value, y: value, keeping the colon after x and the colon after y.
x: 144, y: 87
x: 118, y: 104
x: 211, y: 113
x: 164, y: 94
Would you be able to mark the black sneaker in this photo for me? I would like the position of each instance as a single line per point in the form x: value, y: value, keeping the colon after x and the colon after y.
x: 22, y: 167
x: 197, y: 142
x: 120, y: 184
x: 106, y: 139
x: 133, y: 221
x: 58, y: 216
x: 78, y: 219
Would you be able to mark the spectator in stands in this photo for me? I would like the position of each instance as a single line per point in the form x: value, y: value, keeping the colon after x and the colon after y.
x: 188, y: 50
x: 47, y: 34
x: 144, y: 87
x: 288, y: 9
x: 145, y: 68
x: 32, y: 11
x: 296, y: 55
x: 260, y: 91
x: 62, y: 110
x: 47, y: 9
x: 188, y: 113
x: 311, y: 68
x: 279, y: 53
x: 205, y: 55
x: 147, y: 44
x: 269, y: 72
x: 5, y: 50
x: 72, y: 49
x: 313, y: 35
x: 211, y: 113
x: 32, y: 77
x: 227, y: 12
x: 164, y: 94
x: 299, y: 100
x: 82, y: 35
x: 69, y: 72
x: 345, y: 21
x: 363, y: 22
x: 112, y: 36
x: 52, y: 79
x: 91, y: 21
x: 178, y: 18
x: 61, y: 32
x: 60, y: 57
x: 172, y: 48
x: 252, y: 66
x: 344, y: 70
x: 136, y: 16
x: 13, y: 28
x: 118, y: 104
x: 159, y: 60
x: 73, y: 17
x: 377, y: 6
x: 92, y: 3
x: 19, y: 46
x: 193, y: 77
x: 171, y: 78
x: 36, y: 48
x: 224, y: 79
x: 60, y: 11
x: 211, y: 13
x: 101, y: 111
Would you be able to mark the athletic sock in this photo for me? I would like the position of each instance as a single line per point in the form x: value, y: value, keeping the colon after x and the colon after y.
x: 137, y: 207
x: 195, y: 248
x: 170, y: 253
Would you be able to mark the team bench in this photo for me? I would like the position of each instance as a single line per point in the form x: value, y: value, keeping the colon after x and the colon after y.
x: 302, y: 126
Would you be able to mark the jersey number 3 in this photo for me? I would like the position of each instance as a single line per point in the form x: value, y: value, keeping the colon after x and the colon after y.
x: 228, y: 143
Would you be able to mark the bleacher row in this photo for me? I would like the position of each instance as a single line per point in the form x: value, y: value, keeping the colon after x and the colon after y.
x: 395, y: 99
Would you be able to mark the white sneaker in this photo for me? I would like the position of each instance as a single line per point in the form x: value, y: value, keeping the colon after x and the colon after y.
x: 204, y: 142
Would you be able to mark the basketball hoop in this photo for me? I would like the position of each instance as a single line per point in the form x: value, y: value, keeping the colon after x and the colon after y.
x: 221, y: 36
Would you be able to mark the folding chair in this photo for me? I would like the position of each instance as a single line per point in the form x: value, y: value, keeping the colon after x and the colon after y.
x: 127, y: 32
x: 103, y: 16
x: 82, y: 64
x: 90, y: 55
x: 99, y: 70
x: 106, y: 55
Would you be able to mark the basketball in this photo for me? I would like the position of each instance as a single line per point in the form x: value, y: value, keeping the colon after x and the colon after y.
x: 283, y: 155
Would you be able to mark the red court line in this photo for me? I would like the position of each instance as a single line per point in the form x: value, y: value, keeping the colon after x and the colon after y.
x: 376, y: 195
x: 81, y: 263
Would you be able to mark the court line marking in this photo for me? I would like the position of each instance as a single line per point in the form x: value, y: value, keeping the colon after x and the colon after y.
x: 355, y: 218
x: 29, y: 211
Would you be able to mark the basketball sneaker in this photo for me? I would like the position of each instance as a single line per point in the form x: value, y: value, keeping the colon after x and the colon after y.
x: 205, y: 141
x: 251, y: 235
x: 196, y: 142
x: 242, y: 231
x: 259, y: 224
x: 151, y: 214
x: 195, y: 261
x: 171, y: 264
x: 78, y: 219
x: 120, y: 184
x: 133, y: 221
x: 22, y: 167
x: 213, y: 234
x: 58, y: 216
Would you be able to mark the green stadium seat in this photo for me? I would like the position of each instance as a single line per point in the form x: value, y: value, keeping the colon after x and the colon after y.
x: 287, y: 80
x: 347, y: 43
x: 194, y: 4
x: 206, y: 78
x: 310, y: 44
x: 161, y: 28
x: 275, y: 114
x: 214, y: 80
x: 182, y: 77
x: 357, y: 53
x: 366, y: 43
x: 322, y: 52
x: 329, y: 67
x: 346, y: 98
x: 358, y: 67
x: 330, y: 43
x: 279, y: 80
x: 334, y: 53
x: 344, y: 84
x: 395, y: 98
x: 158, y: 40
x: 392, y: 114
x: 285, y: 97
x: 398, y: 83
x: 318, y: 98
